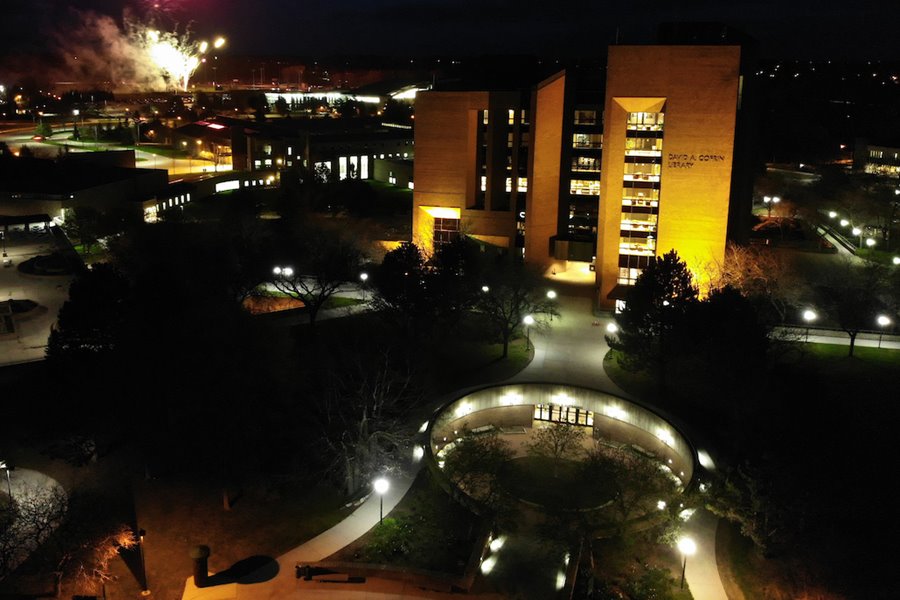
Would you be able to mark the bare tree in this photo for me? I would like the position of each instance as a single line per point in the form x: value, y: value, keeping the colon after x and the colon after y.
x: 852, y: 296
x: 513, y: 291
x: 316, y: 268
x: 759, y: 273
x: 28, y: 520
x: 557, y: 441
x: 364, y: 422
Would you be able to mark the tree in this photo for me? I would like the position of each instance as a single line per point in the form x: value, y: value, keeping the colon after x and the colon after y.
x: 91, y: 320
x: 28, y: 520
x: 317, y: 264
x: 43, y: 129
x: 851, y: 294
x: 639, y: 484
x: 475, y: 465
x: 751, y: 496
x: 83, y: 224
x: 654, y: 314
x: 513, y: 291
x: 363, y: 417
x: 759, y: 273
x: 281, y: 106
x: 558, y: 442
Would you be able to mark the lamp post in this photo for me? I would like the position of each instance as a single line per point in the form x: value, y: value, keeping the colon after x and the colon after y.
x: 882, y: 320
x: 551, y: 295
x: 858, y: 232
x: 363, y: 277
x: 381, y: 486
x: 771, y: 201
x: 529, y: 321
x: 809, y: 316
x: 145, y: 591
x: 687, y: 547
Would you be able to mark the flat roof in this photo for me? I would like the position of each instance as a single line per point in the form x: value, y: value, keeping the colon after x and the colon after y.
x: 45, y: 176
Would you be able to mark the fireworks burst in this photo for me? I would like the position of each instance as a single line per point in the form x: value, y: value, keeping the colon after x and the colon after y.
x: 176, y: 56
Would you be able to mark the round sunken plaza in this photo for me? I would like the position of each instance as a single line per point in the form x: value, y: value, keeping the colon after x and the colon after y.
x: 514, y: 411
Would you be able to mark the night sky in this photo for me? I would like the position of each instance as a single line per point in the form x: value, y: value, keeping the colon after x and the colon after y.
x: 832, y: 29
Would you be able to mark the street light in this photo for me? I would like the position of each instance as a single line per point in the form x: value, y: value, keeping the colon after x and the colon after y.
x: 283, y: 271
x: 844, y: 222
x: 687, y: 547
x: 809, y: 316
x: 858, y: 232
x: 882, y: 320
x: 551, y: 295
x: 145, y: 591
x: 485, y: 289
x: 529, y: 321
x: 831, y: 214
x: 363, y: 277
x: 771, y: 201
x: 870, y: 242
x: 612, y: 328
x: 381, y: 486
x: 896, y: 260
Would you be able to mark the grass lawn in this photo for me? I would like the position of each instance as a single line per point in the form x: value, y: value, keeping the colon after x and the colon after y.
x: 641, y: 384
x: 96, y: 254
x: 834, y: 357
x: 159, y: 151
x: 878, y: 256
x: 266, y: 519
x: 427, y: 530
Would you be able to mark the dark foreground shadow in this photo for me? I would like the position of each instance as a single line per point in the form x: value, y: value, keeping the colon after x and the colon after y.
x: 255, y: 569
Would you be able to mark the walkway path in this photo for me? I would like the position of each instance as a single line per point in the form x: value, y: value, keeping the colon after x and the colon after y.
x: 571, y: 352
x: 37, y: 489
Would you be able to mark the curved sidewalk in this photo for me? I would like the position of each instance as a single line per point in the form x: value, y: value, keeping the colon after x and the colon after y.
x: 571, y: 351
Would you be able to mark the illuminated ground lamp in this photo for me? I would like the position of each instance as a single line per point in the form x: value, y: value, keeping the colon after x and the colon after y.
x: 381, y: 486
x: 687, y: 547
x: 809, y: 316
x: 883, y: 321
x: 529, y: 321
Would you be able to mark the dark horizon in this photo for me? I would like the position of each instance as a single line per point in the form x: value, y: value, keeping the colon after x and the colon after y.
x: 822, y: 30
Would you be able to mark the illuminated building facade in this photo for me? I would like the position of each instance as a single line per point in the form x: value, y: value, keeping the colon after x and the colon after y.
x: 589, y: 179
x: 471, y: 167
x: 669, y: 133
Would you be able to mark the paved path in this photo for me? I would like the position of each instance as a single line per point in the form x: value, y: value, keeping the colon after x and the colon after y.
x: 572, y: 352
x: 35, y: 488
x: 30, y: 341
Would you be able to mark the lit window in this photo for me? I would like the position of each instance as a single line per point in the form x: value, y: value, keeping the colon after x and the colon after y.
x: 585, y: 117
x: 587, y: 140
x: 584, y: 187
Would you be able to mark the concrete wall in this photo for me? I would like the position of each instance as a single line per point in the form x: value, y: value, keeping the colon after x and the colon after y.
x: 542, y: 210
x: 446, y: 173
x: 615, y: 419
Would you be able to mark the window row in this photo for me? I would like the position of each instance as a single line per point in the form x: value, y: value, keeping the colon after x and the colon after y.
x: 587, y: 164
x: 574, y: 415
x: 587, y: 140
x: 584, y: 187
